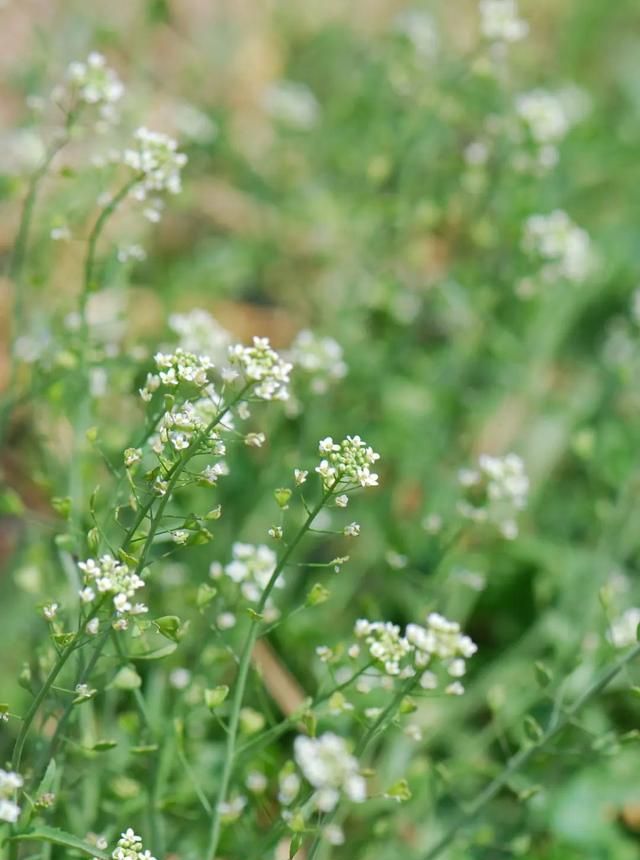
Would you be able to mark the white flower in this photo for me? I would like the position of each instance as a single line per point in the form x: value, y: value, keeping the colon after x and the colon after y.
x: 251, y: 568
x: 10, y: 782
x: 263, y: 366
x: 300, y: 476
x: 94, y: 83
x: 556, y: 239
x: 175, y: 368
x: 155, y: 159
x: 255, y: 440
x: 200, y: 333
x: 499, y: 21
x: 419, y: 28
x: 544, y: 115
x: 455, y: 689
x: 60, y: 233
x: 226, y: 620
x: 623, y: 630
x: 132, y: 456
x: 320, y: 358
x: 386, y: 644
x: 180, y: 536
x: 329, y: 767
x: 92, y: 626
x: 347, y: 463
x: 352, y: 530
x: 231, y: 810
x: 87, y: 594
x: 50, y: 611
x: 256, y: 782
x: 496, y: 491
x: 342, y: 501
x: 131, y: 252
x: 179, y: 678
x: 9, y: 811
x: 288, y: 787
x: 130, y: 848
x: 107, y: 575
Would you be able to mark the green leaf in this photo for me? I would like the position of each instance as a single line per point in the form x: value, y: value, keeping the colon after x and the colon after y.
x: 214, y: 698
x: 62, y: 505
x: 282, y: 496
x: 206, y: 593
x: 126, y: 679
x: 294, y: 846
x: 104, y: 745
x: 399, y: 791
x: 54, y: 836
x: 317, y: 595
x: 169, y: 626
x: 155, y: 653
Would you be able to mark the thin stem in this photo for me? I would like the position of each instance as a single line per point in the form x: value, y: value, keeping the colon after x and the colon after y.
x: 35, y: 705
x: 281, y: 727
x: 243, y: 672
x: 522, y: 757
x: 378, y: 726
x: 94, y: 236
x: 16, y: 265
x: 68, y: 650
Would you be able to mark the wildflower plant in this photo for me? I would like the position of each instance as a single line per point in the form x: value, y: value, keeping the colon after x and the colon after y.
x: 269, y: 594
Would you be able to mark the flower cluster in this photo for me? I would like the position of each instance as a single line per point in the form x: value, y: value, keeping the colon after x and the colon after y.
x: 94, y: 83
x: 544, y: 120
x: 10, y: 782
x: 130, y: 848
x: 386, y: 644
x: 329, y: 767
x: 565, y: 246
x: 401, y: 656
x: 156, y: 160
x: 174, y: 368
x: 320, y: 358
x: 500, y: 22
x: 180, y: 426
x: 495, y: 492
x: 347, y: 463
x: 108, y: 576
x: 200, y: 333
x: 419, y: 28
x: 262, y: 365
x: 623, y: 630
x: 544, y: 115
x: 251, y: 568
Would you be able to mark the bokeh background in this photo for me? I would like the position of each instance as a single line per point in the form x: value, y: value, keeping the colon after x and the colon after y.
x: 341, y: 201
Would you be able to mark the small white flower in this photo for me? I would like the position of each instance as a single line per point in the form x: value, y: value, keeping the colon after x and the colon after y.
x: 256, y: 782
x: 92, y: 626
x: 499, y: 21
x: 351, y: 530
x: 226, y: 620
x: 300, y: 476
x: 50, y: 611
x: 342, y: 501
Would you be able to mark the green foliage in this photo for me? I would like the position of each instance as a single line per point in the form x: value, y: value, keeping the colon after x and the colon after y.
x: 363, y: 187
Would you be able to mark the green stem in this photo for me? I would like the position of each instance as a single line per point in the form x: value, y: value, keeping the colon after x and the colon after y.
x: 241, y: 680
x: 281, y: 727
x: 379, y: 725
x: 16, y: 266
x: 94, y: 237
x: 35, y: 705
x: 522, y: 757
x: 68, y: 650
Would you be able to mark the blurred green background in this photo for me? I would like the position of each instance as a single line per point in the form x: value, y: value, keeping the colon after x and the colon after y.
x: 355, y: 214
